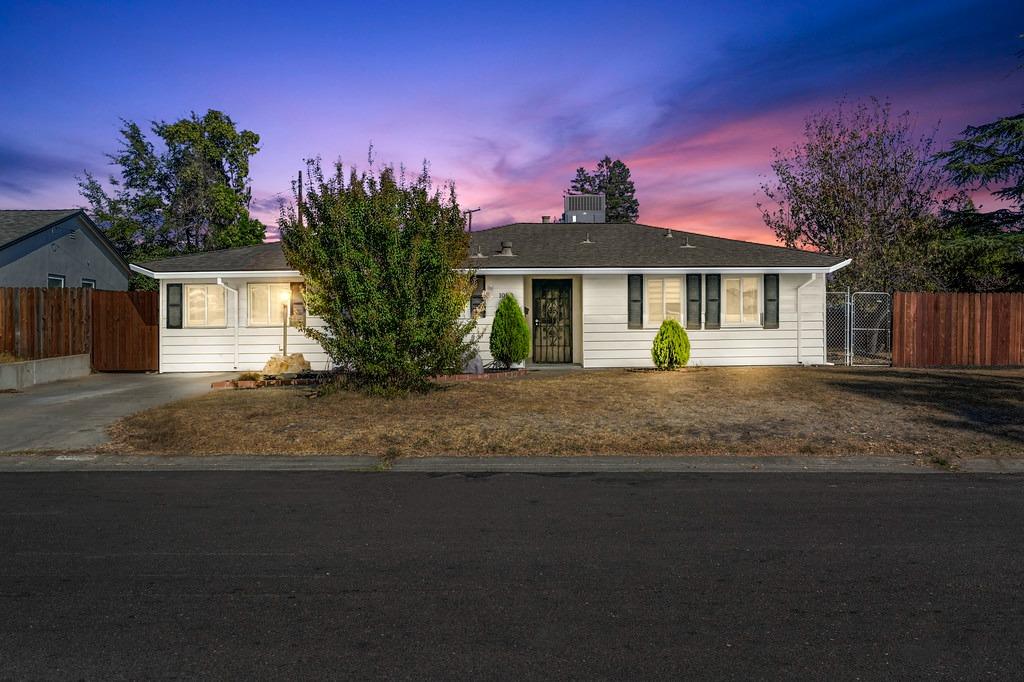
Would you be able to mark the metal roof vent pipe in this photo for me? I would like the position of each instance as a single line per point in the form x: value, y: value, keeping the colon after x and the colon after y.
x: 545, y: 219
x: 506, y: 249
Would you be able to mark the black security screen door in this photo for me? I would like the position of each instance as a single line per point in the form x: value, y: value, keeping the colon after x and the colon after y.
x: 552, y: 320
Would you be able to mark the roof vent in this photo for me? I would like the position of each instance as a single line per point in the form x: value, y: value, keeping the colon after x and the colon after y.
x: 587, y: 240
x: 506, y: 249
x: 545, y: 219
x: 668, y: 233
x: 479, y: 253
x: 687, y: 245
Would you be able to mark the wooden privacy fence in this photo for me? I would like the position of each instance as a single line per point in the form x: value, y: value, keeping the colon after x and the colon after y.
x: 118, y: 329
x: 952, y: 330
x: 125, y: 331
x: 45, y: 323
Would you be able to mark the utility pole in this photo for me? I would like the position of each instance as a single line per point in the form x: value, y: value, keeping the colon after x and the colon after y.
x: 469, y: 218
x: 300, y: 198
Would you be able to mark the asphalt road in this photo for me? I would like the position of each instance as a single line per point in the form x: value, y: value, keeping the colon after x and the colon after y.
x: 416, y: 576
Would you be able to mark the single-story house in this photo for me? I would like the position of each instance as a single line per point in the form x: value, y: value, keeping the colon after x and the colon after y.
x: 58, y: 248
x: 594, y: 294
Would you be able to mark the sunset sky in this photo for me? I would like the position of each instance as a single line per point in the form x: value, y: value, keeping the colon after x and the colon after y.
x: 507, y: 99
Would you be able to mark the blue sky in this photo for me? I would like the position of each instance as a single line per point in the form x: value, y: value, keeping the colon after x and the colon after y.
x: 506, y: 100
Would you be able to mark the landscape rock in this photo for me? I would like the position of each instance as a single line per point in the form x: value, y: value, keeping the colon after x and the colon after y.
x: 286, y: 364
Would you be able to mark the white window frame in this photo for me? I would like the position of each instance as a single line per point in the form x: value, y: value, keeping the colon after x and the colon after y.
x: 55, y: 278
x: 185, y: 312
x: 647, y: 299
x: 270, y: 304
x: 724, y: 302
x: 88, y: 283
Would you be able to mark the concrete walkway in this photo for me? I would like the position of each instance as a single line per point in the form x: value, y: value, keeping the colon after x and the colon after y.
x: 539, y: 465
x: 74, y: 415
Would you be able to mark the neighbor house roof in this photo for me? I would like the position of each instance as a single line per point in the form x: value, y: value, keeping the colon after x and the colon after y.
x: 15, y: 224
x: 18, y: 225
x: 550, y: 246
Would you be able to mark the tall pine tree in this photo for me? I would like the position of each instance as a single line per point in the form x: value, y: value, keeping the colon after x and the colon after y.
x: 611, y: 178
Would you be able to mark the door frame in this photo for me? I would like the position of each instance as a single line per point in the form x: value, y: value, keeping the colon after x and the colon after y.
x: 570, y: 318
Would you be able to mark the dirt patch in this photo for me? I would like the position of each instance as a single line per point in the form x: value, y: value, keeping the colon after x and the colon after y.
x: 767, y: 411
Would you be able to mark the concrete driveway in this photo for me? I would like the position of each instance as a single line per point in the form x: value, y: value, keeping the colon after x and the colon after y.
x: 74, y: 415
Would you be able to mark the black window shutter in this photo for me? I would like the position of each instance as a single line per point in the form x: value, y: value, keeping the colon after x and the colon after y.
x: 636, y: 301
x: 771, y: 301
x: 477, y: 301
x: 693, y: 301
x: 174, y: 306
x: 713, y: 307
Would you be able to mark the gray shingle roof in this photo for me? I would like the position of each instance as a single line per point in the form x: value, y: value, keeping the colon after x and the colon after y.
x: 15, y: 224
x: 553, y: 245
x: 243, y: 258
x: 625, y: 245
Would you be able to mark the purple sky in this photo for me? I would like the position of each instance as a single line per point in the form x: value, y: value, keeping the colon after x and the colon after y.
x: 506, y: 101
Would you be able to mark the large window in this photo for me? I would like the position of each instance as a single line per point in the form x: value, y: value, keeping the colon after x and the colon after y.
x: 742, y: 300
x: 268, y: 304
x: 664, y: 300
x: 205, y: 306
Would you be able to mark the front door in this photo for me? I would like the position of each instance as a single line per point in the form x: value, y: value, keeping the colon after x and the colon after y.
x: 552, y: 320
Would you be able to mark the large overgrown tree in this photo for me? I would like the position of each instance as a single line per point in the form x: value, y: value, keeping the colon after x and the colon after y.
x: 190, y: 193
x: 613, y: 179
x: 382, y: 261
x: 860, y: 185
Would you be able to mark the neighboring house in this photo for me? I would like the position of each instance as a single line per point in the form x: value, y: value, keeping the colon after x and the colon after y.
x: 594, y: 294
x: 58, y: 248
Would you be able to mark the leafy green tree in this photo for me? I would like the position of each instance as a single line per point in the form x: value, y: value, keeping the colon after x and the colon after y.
x: 510, y: 335
x: 192, y: 194
x: 613, y: 179
x: 861, y: 185
x: 671, y: 347
x: 381, y: 258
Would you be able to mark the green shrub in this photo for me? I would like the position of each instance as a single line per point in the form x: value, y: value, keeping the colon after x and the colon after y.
x: 671, y: 346
x: 510, y: 335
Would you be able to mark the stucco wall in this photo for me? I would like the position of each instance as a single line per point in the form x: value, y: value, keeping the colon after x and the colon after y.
x: 69, y: 249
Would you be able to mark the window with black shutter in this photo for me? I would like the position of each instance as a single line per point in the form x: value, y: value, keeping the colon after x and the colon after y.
x: 636, y: 301
x: 771, y: 301
x: 713, y: 302
x: 693, y: 301
x: 477, y: 302
x: 174, y: 306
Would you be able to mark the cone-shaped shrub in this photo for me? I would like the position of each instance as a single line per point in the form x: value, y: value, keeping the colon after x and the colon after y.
x: 671, y: 346
x: 510, y: 335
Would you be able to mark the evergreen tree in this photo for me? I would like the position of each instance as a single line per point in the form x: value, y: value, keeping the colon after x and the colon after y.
x: 613, y: 179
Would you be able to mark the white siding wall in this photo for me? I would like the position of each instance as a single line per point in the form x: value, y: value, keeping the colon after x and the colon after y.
x: 608, y: 342
x: 496, y: 286
x: 213, y: 350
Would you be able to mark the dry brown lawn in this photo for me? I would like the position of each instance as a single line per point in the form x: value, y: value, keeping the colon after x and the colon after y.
x: 768, y: 411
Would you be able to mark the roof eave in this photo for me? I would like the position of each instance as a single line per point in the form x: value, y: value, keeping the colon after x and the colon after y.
x: 212, y: 274
x: 803, y: 269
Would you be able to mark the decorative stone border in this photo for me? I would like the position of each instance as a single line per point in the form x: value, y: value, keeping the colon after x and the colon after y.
x: 499, y: 374
x: 239, y: 384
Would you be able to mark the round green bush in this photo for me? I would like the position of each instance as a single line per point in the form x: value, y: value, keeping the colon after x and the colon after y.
x: 671, y: 346
x: 510, y: 335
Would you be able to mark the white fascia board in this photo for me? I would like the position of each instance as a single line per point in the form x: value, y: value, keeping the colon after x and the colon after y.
x: 653, y: 271
x: 225, y: 274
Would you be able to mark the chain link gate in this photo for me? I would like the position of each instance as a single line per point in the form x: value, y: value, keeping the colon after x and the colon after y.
x: 858, y: 328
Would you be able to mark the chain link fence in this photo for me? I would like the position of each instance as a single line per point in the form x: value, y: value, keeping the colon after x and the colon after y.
x: 858, y: 328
